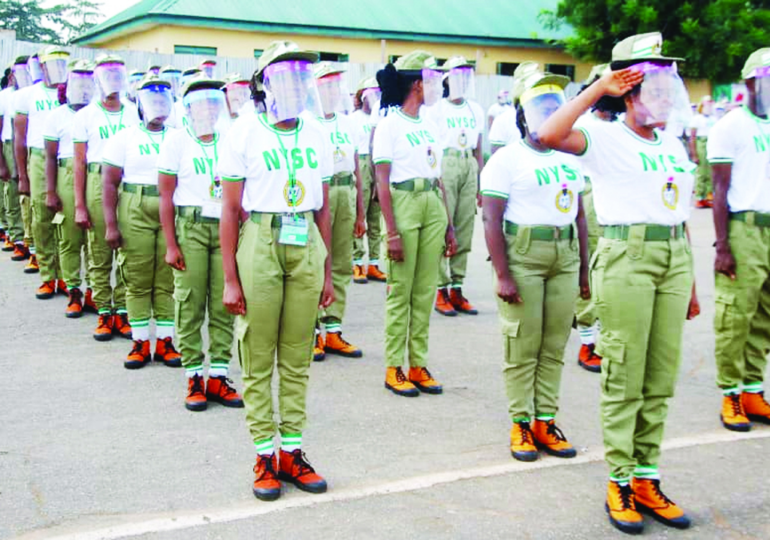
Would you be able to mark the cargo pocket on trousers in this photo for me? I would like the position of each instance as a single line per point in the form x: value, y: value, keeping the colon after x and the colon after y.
x: 240, y: 331
x: 120, y: 259
x: 724, y: 316
x: 180, y: 297
x: 510, y: 337
x: 614, y: 376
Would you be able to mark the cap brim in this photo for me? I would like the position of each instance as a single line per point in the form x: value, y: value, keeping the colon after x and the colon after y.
x: 296, y: 55
x: 205, y: 84
x: 465, y: 65
x: 617, y: 65
x: 557, y: 80
x: 155, y: 83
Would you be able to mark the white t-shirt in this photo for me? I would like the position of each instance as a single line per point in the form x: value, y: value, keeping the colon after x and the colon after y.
x: 37, y: 105
x: 363, y: 127
x: 742, y: 139
x: 504, y: 130
x: 410, y: 145
x: 194, y: 163
x: 541, y: 188
x: 58, y: 128
x: 261, y: 155
x: 702, y: 125
x: 341, y: 132
x: 94, y: 125
x: 7, y: 106
x: 496, y: 110
x: 635, y: 180
x: 459, y: 126
x: 135, y: 150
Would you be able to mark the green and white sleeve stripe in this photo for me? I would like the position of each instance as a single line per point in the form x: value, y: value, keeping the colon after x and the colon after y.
x: 168, y: 172
x: 495, y: 194
x: 233, y: 178
x: 721, y: 160
x: 382, y: 160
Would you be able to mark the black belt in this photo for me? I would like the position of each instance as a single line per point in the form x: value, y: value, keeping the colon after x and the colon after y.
x: 195, y: 213
x: 417, y: 184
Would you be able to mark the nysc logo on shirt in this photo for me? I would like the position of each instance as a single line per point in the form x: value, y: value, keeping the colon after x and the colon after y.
x: 564, y: 199
x: 106, y: 131
x: 557, y: 174
x: 416, y: 138
x: 461, y: 122
x: 46, y: 104
x: 299, y: 158
x: 340, y: 138
x: 149, y: 149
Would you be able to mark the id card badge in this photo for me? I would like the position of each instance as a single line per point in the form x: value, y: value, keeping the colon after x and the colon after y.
x: 58, y: 219
x: 294, y: 231
x: 212, y: 209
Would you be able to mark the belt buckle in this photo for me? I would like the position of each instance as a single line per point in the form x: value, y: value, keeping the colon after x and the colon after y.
x: 556, y: 233
x: 673, y: 232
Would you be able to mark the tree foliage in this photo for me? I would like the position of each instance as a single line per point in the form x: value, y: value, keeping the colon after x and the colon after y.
x: 57, y: 23
x: 714, y: 36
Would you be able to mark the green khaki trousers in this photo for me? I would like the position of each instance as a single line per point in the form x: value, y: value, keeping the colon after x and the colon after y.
x: 342, y: 210
x: 73, y: 243
x: 585, y: 311
x: 281, y: 286
x: 149, y: 281
x: 536, y: 331
x: 45, y: 232
x: 13, y: 221
x: 373, y: 214
x: 200, y: 288
x: 742, y: 315
x: 100, y: 255
x: 703, y: 185
x: 642, y: 290
x: 460, y: 177
x: 421, y: 221
x: 25, y: 205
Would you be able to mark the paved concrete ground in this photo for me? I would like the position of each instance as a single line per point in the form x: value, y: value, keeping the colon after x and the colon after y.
x: 90, y: 450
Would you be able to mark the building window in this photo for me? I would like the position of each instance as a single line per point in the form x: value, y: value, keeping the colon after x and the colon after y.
x: 506, y: 68
x: 258, y: 52
x: 333, y: 57
x: 561, y: 69
x: 192, y: 49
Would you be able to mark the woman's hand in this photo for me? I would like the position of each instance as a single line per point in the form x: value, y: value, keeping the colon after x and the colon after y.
x: 360, y: 228
x: 693, y: 310
x: 174, y: 258
x: 507, y: 290
x: 585, y: 288
x: 53, y: 202
x: 113, y: 238
x: 233, y: 299
x: 395, y: 248
x: 327, y: 293
x: 450, y: 242
x: 618, y: 83
x: 82, y: 219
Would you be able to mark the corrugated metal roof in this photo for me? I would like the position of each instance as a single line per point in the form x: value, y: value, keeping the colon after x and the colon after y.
x: 451, y: 20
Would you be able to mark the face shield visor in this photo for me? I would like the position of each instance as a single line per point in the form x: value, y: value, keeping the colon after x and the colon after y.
x: 539, y: 103
x: 462, y: 83
x: 208, y: 69
x: 331, y: 93
x: 174, y: 78
x: 55, y: 69
x: 238, y: 94
x: 432, y: 87
x: 290, y: 89
x: 80, y: 88
x: 206, y: 109
x: 21, y: 75
x: 662, y: 98
x: 111, y: 79
x: 133, y: 81
x: 35, y: 71
x: 155, y: 103
x: 762, y: 90
x: 371, y: 98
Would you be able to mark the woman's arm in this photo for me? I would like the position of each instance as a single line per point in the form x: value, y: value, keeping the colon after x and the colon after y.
x: 585, y: 255
x: 395, y: 245
x: 79, y: 167
x: 167, y: 186
x: 232, y: 193
x: 493, y: 209
x: 322, y: 219
x: 111, y: 178
x: 52, y: 200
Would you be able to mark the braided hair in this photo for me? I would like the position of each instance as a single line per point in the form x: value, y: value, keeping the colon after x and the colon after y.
x: 395, y: 85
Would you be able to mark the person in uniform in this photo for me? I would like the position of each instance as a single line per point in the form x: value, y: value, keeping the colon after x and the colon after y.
x: 407, y: 151
x: 498, y: 107
x: 368, y: 96
x: 504, y: 130
x: 190, y: 209
x: 276, y: 167
x: 32, y: 113
x: 459, y: 121
x: 237, y: 93
x: 134, y: 77
x: 207, y: 67
x: 536, y: 234
x: 739, y: 154
x: 14, y: 242
x: 60, y: 184
x: 700, y: 126
x: 132, y: 225
x: 642, y: 273
x: 93, y: 126
x: 346, y: 208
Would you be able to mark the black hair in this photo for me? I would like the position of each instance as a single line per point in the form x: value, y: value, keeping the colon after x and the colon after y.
x: 521, y: 121
x: 615, y: 105
x: 257, y: 95
x: 395, y: 85
x: 358, y: 100
x: 445, y: 84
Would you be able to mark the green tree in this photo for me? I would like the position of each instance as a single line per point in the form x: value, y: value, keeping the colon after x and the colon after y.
x: 713, y: 36
x: 79, y: 16
x: 31, y: 21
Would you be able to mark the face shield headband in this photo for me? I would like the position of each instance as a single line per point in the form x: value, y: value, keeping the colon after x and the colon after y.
x: 155, y: 102
x: 662, y: 97
x: 290, y: 89
x: 539, y: 103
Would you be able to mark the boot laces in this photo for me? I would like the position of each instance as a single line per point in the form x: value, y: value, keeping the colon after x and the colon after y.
x: 137, y: 348
x: 659, y: 494
x: 555, y: 432
x: 197, y: 386
x: 301, y: 463
x: 400, y: 377
x: 75, y: 296
x: 342, y: 340
x: 266, y: 464
x: 426, y: 374
x: 627, y: 496
x: 735, y: 404
x: 104, y: 319
x: 525, y: 433
x: 445, y: 295
x: 226, y: 385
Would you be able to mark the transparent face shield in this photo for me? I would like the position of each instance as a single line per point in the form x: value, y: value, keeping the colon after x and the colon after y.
x: 174, y: 78
x: 205, y: 110
x: 238, y: 94
x: 432, y: 87
x: 111, y: 79
x: 290, y: 89
x: 762, y: 91
x: 462, y: 83
x: 80, y: 88
x: 155, y: 102
x: 539, y: 103
x: 371, y: 98
x: 133, y: 81
x: 55, y: 70
x: 208, y: 69
x: 35, y: 71
x: 330, y: 92
x: 21, y: 75
x: 662, y: 98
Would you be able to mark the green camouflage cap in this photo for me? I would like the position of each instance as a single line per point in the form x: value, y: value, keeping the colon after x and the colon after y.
x: 456, y: 62
x: 323, y: 69
x: 51, y: 52
x: 278, y: 51
x: 416, y: 61
x: 201, y: 81
x: 538, y: 79
x: 109, y: 59
x: 235, y: 78
x: 639, y: 48
x: 21, y: 60
x: 367, y: 82
x: 596, y: 72
x: 81, y: 66
x: 151, y: 79
x: 191, y: 71
x: 519, y: 75
x: 170, y: 69
x: 758, y: 59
